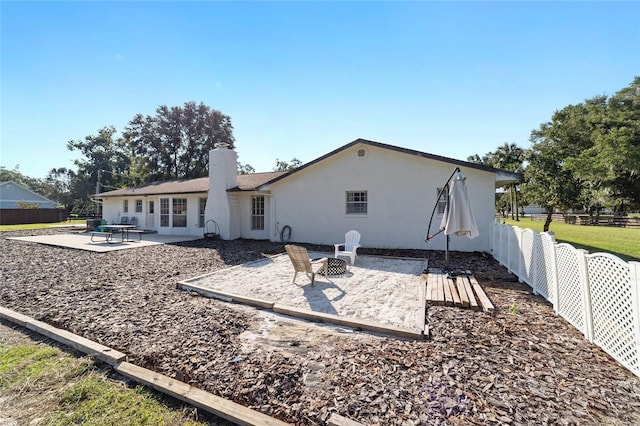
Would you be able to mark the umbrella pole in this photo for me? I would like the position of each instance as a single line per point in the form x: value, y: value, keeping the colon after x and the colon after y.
x: 446, y: 254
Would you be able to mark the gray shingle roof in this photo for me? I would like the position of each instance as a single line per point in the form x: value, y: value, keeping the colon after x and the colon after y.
x: 190, y: 186
x: 251, y: 181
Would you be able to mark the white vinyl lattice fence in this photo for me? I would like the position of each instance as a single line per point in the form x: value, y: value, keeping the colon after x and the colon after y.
x: 597, y: 293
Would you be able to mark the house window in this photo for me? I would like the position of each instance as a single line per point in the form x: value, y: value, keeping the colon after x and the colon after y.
x: 202, y: 207
x: 152, y: 207
x: 356, y: 202
x: 257, y: 212
x: 138, y: 206
x: 125, y: 206
x: 442, y: 202
x: 179, y: 212
x: 164, y: 212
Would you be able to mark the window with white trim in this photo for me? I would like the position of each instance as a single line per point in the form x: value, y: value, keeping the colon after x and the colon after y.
x: 125, y: 206
x: 356, y: 202
x: 202, y: 205
x: 257, y: 212
x: 138, y: 206
x: 179, y: 213
x: 164, y: 212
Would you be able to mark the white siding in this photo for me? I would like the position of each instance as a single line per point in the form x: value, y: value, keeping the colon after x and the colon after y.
x: 112, y: 211
x: 401, y: 192
x: 244, y: 217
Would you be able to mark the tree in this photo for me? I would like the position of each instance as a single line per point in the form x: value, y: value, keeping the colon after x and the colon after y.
x: 245, y: 169
x: 12, y: 175
x: 16, y: 176
x: 283, y: 166
x: 26, y: 205
x: 548, y: 182
x: 105, y: 164
x: 508, y: 157
x: 570, y: 132
x: 175, y: 143
x: 502, y: 203
x: 61, y: 182
x: 608, y: 161
x: 588, y: 155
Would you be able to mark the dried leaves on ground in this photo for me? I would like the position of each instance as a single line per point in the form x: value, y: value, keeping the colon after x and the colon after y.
x: 519, y: 365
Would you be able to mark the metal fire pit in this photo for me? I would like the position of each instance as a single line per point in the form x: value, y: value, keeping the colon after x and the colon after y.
x: 335, y: 266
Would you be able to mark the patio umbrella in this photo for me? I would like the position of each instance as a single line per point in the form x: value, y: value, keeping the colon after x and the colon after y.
x: 458, y: 218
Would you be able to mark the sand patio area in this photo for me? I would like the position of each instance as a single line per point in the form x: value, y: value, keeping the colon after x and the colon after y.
x: 380, y: 289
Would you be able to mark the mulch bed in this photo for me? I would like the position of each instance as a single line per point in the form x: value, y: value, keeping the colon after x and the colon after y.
x: 519, y: 365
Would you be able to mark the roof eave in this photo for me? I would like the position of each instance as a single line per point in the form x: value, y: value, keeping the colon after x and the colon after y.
x: 147, y: 194
x: 503, y: 176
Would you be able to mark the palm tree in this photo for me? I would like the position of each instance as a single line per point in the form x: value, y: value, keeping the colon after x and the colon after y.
x: 509, y: 157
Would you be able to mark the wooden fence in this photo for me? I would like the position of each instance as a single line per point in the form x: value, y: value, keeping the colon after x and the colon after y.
x: 556, y: 217
x: 617, y: 221
x: 22, y: 216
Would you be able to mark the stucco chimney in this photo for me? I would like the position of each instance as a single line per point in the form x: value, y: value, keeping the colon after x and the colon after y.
x: 223, y: 174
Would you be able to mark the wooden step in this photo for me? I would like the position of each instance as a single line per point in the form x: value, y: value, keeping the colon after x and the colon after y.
x: 473, y: 303
x: 454, y: 292
x: 460, y: 291
x: 440, y: 289
x: 487, y: 306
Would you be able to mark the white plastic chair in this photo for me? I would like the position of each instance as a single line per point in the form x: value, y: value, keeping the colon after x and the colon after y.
x: 351, y: 244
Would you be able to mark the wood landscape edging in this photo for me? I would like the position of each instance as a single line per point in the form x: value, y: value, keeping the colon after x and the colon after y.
x: 101, y: 352
x: 204, y: 400
x: 199, y: 398
x: 358, y: 324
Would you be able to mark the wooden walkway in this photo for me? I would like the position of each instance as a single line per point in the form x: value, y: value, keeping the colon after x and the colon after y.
x: 461, y: 291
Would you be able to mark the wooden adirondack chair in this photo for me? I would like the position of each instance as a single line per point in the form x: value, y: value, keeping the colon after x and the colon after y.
x: 302, y: 263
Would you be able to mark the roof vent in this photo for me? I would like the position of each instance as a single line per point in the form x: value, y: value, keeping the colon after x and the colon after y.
x: 361, y: 153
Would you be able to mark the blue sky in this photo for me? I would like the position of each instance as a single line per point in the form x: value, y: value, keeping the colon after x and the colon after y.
x: 299, y: 79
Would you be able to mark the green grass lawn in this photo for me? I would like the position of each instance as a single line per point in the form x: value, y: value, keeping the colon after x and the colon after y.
x: 22, y: 227
x: 41, y: 384
x: 622, y: 242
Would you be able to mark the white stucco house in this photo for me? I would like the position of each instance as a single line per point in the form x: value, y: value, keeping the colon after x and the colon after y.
x: 385, y: 192
x: 12, y: 194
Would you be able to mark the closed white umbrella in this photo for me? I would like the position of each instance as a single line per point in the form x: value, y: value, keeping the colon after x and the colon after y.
x: 458, y: 218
